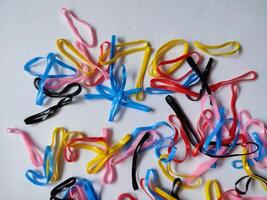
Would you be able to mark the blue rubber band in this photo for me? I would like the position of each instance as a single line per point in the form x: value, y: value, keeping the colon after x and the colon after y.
x: 38, y: 179
x: 52, y: 61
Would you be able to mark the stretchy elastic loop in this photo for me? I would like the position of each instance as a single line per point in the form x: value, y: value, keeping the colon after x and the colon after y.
x: 48, y: 113
x: 135, y: 159
x: 159, y: 54
x: 70, y: 17
x: 124, y: 196
x: 117, y: 95
x: 63, y: 93
x: 247, y: 169
x: 247, y: 184
x: 202, y: 76
x: 61, y: 187
x: 36, y: 177
x: 122, y: 53
x: 35, y: 156
x: 207, y: 48
x: 209, y: 187
x: 52, y: 61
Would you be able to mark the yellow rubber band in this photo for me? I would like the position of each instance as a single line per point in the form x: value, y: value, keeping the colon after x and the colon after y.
x: 90, y: 66
x: 209, y: 187
x: 207, y: 48
x: 162, y: 51
x: 171, y: 177
x: 122, y: 53
x: 249, y: 172
x: 163, y: 194
x: 60, y: 139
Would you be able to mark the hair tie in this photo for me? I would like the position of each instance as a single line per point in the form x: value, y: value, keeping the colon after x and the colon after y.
x: 207, y: 48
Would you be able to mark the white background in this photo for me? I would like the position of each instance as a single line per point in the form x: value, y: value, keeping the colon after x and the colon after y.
x: 30, y: 28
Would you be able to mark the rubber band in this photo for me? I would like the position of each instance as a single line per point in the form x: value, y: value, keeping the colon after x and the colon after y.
x: 261, y: 180
x: 157, y: 192
x: 70, y: 17
x: 212, y: 184
x: 162, y: 51
x: 35, y: 156
x: 135, y: 159
x: 117, y: 95
x: 44, y: 115
x: 119, y: 54
x: 207, y: 48
x: 129, y: 196
x: 61, y: 187
x: 52, y: 61
x: 36, y: 177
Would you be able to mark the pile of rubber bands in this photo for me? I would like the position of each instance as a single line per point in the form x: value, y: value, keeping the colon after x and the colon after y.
x: 218, y: 133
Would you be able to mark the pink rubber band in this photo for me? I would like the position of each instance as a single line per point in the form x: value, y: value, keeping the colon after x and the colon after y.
x: 35, y: 156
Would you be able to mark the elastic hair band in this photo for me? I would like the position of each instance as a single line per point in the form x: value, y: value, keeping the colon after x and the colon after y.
x: 207, y: 48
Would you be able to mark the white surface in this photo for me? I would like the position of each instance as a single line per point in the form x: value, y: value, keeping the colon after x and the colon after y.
x: 30, y: 28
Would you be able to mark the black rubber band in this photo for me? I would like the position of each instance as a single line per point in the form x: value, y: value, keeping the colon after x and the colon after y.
x: 176, y: 186
x: 50, y: 112
x: 202, y: 76
x: 191, y: 134
x: 61, y: 187
x: 247, y: 184
x: 63, y: 93
x: 135, y: 159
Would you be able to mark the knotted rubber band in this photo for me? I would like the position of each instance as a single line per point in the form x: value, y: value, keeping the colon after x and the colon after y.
x: 206, y: 48
x: 135, y: 159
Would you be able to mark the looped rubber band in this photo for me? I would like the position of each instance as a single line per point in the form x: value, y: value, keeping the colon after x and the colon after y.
x: 122, y: 53
x: 162, y: 51
x: 211, y: 185
x: 52, y: 61
x: 135, y: 159
x: 35, y: 156
x: 207, y: 48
